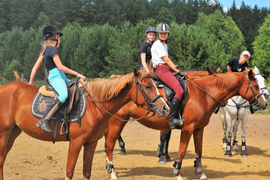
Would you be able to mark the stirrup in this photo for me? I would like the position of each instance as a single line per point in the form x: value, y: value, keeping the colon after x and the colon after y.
x: 62, y: 132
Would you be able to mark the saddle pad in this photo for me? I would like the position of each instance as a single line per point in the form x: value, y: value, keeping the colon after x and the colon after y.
x: 42, y: 103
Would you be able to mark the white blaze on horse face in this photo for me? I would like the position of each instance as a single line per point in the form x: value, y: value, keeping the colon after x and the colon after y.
x: 260, y: 81
x: 159, y: 94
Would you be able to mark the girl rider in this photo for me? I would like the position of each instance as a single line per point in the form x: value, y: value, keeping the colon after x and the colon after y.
x: 57, y: 78
x: 145, y: 48
x: 162, y: 66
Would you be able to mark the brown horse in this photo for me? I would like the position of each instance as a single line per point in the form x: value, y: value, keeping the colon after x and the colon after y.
x: 206, y: 94
x: 105, y: 97
x: 130, y: 110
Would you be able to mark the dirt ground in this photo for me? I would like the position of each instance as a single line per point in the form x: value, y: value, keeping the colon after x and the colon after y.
x: 31, y: 159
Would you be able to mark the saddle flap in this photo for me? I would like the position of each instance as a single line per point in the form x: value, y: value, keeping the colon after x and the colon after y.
x: 168, y: 91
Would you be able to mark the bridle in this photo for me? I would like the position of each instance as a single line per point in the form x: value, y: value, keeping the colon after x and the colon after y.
x: 150, y: 102
x: 255, y: 99
x: 253, y: 102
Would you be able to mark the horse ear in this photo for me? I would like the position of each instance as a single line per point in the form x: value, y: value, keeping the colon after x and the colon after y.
x: 136, y: 72
x: 251, y: 74
x: 218, y: 69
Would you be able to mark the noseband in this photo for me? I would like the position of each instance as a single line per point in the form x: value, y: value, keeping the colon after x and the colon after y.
x: 150, y: 102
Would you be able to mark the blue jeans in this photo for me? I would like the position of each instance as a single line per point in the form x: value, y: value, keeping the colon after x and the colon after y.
x: 58, y: 81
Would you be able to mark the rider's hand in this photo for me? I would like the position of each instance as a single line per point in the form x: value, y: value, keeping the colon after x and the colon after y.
x: 183, y: 74
x: 81, y: 76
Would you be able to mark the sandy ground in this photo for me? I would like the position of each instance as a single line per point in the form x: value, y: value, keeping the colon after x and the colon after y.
x: 31, y: 159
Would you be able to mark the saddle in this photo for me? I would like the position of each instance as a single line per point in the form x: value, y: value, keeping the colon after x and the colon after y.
x: 70, y: 112
x: 73, y: 94
x: 169, y: 92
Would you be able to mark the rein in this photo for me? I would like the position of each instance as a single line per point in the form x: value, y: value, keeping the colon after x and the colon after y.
x: 224, y: 103
x: 150, y: 102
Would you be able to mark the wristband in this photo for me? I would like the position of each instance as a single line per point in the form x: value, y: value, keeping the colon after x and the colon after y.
x: 76, y: 74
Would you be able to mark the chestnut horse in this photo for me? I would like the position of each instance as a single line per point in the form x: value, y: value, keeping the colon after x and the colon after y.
x: 206, y: 93
x: 130, y: 110
x: 104, y: 98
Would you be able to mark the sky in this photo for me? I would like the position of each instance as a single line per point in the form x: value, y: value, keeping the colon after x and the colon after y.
x: 251, y: 3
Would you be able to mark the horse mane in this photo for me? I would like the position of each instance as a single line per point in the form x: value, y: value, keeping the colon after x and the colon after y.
x: 106, y: 89
x: 227, y: 80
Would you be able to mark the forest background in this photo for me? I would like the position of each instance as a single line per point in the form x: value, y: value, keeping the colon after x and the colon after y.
x: 102, y: 37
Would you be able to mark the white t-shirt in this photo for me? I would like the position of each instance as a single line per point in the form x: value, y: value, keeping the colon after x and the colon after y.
x: 158, y: 50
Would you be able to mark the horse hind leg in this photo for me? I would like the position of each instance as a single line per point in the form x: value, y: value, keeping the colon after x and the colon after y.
x: 161, y: 148
x: 235, y: 142
x: 122, y: 145
x: 166, y: 146
x: 243, y: 136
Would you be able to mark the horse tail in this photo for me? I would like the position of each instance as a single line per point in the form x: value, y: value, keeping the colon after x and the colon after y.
x: 18, y: 78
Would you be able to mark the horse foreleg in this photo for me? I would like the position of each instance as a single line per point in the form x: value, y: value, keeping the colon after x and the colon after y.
x: 184, y: 140
x: 243, y: 137
x: 235, y: 129
x: 75, y: 146
x: 88, y: 154
x: 198, y: 139
x: 6, y: 142
x: 115, y: 129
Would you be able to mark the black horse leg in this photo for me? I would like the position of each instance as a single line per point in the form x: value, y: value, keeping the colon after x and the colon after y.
x: 166, y: 146
x: 161, y: 148
x: 122, y: 145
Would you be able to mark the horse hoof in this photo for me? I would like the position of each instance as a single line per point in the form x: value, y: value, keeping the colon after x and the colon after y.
x: 203, y: 177
x: 123, y: 153
x: 228, y: 154
x: 175, y: 171
x: 161, y: 162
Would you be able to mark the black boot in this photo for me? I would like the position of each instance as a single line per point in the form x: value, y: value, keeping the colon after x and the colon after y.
x: 174, y: 121
x: 44, y: 122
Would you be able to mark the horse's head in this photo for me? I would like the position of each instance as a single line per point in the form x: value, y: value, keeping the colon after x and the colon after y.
x: 146, y: 93
x: 252, y: 92
x: 261, y: 80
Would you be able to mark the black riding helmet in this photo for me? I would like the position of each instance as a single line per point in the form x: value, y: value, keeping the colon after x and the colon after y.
x: 51, y: 31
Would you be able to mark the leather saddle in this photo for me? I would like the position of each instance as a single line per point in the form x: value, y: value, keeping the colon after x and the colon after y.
x: 169, y: 92
x: 73, y: 94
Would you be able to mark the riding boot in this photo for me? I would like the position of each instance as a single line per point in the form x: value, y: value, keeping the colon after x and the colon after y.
x: 44, y: 122
x: 174, y: 121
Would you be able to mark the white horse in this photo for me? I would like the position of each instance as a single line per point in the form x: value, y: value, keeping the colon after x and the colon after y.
x: 237, y: 109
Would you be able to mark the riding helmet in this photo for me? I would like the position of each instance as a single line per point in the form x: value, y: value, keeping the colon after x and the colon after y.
x: 50, y: 31
x: 150, y: 29
x: 163, y: 27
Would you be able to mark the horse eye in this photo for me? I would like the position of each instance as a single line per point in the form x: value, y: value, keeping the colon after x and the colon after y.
x: 147, y: 87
